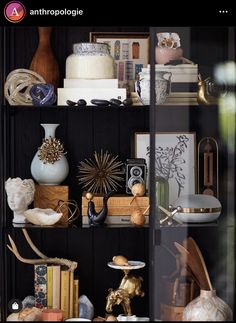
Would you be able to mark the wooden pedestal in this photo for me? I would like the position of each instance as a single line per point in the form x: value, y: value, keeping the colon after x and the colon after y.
x: 48, y: 196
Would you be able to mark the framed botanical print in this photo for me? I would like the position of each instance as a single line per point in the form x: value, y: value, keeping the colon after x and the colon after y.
x: 175, y: 155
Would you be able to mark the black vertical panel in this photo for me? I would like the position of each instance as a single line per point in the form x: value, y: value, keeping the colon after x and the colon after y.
x: 133, y: 245
x: 80, y: 249
x: 54, y: 242
x: 134, y: 119
x: 106, y: 129
x: 79, y: 145
x: 26, y: 139
x: 211, y: 40
x: 106, y: 245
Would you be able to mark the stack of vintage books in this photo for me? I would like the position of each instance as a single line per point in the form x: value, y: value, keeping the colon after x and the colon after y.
x: 184, y: 83
x: 56, y: 288
x: 120, y: 208
x: 88, y: 89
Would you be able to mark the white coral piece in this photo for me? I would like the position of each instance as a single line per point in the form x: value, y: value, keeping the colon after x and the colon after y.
x: 42, y: 216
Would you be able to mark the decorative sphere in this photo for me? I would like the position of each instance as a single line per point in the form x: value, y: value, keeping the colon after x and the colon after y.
x: 138, y: 189
x: 89, y: 196
x: 137, y: 218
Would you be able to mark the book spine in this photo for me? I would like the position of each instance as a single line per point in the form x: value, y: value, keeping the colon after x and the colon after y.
x: 40, y: 285
x: 71, y: 302
x: 85, y: 83
x: 65, y: 293
x: 184, y: 87
x: 119, y: 210
x: 74, y: 94
x: 116, y: 219
x: 184, y: 78
x: 49, y: 286
x: 76, y: 298
x: 118, y: 201
x: 56, y: 277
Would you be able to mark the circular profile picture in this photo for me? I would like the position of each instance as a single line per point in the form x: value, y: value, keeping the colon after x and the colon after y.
x: 14, y: 11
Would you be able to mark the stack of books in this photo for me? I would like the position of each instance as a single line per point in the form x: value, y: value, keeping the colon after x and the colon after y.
x: 88, y: 89
x: 119, y: 208
x: 56, y: 288
x: 184, y: 83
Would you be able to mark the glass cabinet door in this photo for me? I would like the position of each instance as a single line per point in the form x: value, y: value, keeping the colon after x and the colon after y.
x: 191, y: 149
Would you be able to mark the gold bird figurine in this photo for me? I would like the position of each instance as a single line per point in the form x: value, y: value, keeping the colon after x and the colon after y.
x: 203, y: 95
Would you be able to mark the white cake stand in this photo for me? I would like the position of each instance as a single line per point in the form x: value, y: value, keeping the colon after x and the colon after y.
x: 131, y: 266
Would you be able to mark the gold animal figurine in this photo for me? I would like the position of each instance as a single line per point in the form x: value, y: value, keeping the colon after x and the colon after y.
x: 130, y: 286
x: 207, y: 91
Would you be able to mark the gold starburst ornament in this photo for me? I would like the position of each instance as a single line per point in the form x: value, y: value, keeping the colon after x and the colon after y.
x: 101, y: 174
x: 51, y: 150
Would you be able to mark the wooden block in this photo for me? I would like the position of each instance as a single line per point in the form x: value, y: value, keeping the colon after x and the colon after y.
x: 48, y: 196
x: 171, y: 313
x: 117, y: 204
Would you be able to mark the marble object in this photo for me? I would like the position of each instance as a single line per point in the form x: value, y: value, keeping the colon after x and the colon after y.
x: 162, y: 86
x: 39, y: 216
x: 86, y: 308
x: 90, y: 61
x: 20, y: 194
x: 49, y: 173
x: 207, y: 307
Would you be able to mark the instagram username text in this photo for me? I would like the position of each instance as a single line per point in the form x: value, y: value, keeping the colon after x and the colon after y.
x: 57, y: 12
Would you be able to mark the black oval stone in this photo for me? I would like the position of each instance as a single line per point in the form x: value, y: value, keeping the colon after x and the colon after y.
x: 127, y: 102
x: 115, y: 102
x: 81, y: 103
x: 99, y: 102
x: 71, y: 103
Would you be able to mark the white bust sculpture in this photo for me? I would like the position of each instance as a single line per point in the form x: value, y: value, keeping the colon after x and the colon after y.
x: 20, y: 194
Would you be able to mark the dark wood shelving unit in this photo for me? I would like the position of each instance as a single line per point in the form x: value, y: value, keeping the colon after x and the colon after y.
x: 84, y: 130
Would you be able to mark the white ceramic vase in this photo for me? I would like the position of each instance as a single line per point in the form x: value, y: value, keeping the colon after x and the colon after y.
x: 49, y: 174
x: 207, y: 307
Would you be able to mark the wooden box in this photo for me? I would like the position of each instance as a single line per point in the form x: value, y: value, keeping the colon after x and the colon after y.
x: 48, y: 196
x: 171, y: 313
x: 117, y: 204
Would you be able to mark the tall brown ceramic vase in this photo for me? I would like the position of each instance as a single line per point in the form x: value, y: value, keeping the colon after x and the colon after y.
x: 44, y: 61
